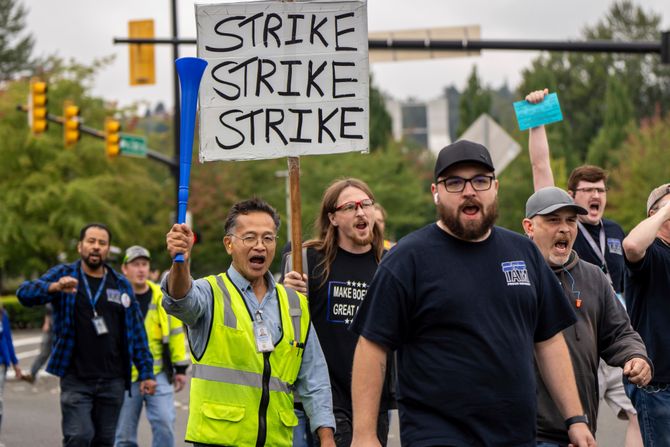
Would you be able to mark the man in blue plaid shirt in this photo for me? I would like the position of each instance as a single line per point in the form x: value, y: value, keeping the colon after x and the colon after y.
x: 98, y: 332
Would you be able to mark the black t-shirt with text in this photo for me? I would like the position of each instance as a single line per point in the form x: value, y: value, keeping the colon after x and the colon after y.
x: 99, y: 356
x: 332, y: 306
x: 464, y: 318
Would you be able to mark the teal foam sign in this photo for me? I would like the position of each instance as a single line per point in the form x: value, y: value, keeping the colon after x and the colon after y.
x: 533, y: 115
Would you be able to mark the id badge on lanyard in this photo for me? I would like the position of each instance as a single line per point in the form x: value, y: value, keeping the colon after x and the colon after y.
x: 262, y: 334
x: 98, y: 321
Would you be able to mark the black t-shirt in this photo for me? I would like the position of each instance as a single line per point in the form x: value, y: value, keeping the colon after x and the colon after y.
x: 144, y: 299
x: 614, y: 237
x: 648, y: 305
x: 464, y: 318
x: 99, y: 356
x: 332, y: 307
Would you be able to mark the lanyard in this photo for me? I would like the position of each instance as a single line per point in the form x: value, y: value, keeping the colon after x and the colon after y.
x: 599, y: 252
x: 94, y: 299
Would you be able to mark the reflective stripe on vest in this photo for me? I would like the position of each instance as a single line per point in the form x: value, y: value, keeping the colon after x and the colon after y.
x: 229, y: 318
x: 235, y: 377
x: 294, y: 311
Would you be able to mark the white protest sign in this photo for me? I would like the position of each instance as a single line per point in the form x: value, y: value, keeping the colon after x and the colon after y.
x: 283, y: 79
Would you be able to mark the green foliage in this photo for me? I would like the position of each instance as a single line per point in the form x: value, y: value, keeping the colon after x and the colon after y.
x: 474, y: 101
x: 380, y: 121
x: 15, y: 45
x: 21, y: 316
x: 646, y: 164
x: 50, y: 192
x: 582, y: 80
x: 618, y: 117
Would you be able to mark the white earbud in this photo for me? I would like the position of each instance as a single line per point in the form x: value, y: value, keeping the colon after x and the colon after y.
x: 436, y: 198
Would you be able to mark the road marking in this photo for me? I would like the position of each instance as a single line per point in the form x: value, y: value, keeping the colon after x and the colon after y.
x: 27, y: 354
x: 27, y: 341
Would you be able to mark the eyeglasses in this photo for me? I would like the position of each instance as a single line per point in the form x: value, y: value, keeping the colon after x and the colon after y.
x: 268, y: 240
x: 592, y: 190
x: 351, y: 207
x: 457, y: 184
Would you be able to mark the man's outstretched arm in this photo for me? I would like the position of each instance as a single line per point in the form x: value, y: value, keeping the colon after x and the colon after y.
x: 538, y: 148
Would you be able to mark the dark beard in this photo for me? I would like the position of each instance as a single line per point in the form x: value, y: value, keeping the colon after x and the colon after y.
x: 470, y: 232
x: 92, y: 265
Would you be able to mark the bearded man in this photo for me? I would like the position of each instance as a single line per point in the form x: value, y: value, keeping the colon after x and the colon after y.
x: 466, y: 305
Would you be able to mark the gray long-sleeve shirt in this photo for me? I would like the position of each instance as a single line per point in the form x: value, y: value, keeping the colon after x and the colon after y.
x: 603, y: 330
x: 195, y: 310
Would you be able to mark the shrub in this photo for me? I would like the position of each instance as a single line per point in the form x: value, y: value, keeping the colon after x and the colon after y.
x: 20, y: 316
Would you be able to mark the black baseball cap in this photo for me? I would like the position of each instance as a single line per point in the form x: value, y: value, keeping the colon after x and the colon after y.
x: 462, y: 151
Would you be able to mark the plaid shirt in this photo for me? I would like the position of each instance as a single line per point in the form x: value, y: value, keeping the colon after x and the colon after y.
x: 32, y: 293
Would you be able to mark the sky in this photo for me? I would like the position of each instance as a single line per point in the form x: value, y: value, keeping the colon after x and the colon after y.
x: 84, y: 30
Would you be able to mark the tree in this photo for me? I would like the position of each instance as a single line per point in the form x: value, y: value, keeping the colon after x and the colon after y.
x: 647, y: 158
x: 49, y: 193
x: 474, y: 101
x: 616, y: 125
x: 15, y: 45
x: 582, y: 80
x: 381, y: 127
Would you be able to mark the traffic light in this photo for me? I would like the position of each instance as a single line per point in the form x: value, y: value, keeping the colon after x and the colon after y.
x: 37, y: 106
x: 70, y: 123
x: 112, y: 137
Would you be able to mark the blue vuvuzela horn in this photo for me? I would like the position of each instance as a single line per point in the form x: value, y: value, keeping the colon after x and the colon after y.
x: 190, y: 70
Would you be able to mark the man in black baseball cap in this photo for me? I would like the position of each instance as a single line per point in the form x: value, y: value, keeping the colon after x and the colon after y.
x: 456, y: 290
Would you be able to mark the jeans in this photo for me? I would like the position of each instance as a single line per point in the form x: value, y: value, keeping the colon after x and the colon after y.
x: 90, y: 410
x: 302, y: 434
x: 160, y: 413
x: 547, y: 444
x: 652, y: 403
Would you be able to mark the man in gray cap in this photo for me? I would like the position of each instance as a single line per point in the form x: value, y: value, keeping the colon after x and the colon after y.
x: 602, y: 330
x: 466, y: 305
x: 166, y: 338
x: 647, y: 252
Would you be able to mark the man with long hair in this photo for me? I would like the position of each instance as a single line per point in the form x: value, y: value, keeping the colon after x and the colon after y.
x: 341, y: 260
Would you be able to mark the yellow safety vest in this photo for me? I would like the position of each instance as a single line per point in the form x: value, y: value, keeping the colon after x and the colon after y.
x: 162, y: 328
x: 240, y: 397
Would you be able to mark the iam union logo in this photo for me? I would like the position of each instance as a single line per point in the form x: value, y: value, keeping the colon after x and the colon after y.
x: 515, y: 273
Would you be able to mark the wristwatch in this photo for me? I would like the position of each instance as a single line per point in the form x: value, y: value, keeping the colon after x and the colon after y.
x: 576, y: 419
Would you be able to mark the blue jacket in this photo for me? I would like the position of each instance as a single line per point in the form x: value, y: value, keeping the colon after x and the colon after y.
x: 32, y: 293
x: 7, y: 355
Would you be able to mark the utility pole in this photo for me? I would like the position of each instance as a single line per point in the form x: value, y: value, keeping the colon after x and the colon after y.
x: 177, y: 111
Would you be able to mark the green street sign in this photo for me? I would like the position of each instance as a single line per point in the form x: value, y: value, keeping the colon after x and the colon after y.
x: 133, y: 146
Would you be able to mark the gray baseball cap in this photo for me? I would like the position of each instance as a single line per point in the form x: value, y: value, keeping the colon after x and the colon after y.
x: 550, y: 199
x: 135, y: 252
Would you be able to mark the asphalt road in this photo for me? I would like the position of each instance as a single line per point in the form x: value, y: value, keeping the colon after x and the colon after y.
x: 31, y: 415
